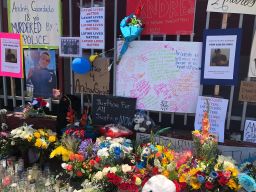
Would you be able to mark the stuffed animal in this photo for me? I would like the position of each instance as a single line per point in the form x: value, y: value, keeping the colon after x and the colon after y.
x: 142, y: 122
x: 159, y: 183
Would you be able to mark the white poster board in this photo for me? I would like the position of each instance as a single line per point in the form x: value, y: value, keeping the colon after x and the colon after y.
x: 250, y: 131
x: 231, y: 6
x: 162, y: 75
x: 220, y: 57
x: 252, y: 65
x: 92, y: 27
x: 39, y: 22
x: 217, y: 114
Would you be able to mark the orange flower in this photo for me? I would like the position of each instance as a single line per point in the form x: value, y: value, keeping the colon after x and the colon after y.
x: 72, y: 157
x: 79, y: 157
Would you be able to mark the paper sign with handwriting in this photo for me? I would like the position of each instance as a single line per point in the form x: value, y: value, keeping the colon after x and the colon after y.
x: 39, y: 22
x: 250, y: 131
x: 96, y: 81
x: 169, y: 17
x: 217, y: 114
x: 247, y: 91
x: 162, y: 75
x: 92, y: 27
x: 232, y: 6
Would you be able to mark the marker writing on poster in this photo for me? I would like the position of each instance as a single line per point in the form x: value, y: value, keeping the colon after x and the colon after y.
x: 224, y: 4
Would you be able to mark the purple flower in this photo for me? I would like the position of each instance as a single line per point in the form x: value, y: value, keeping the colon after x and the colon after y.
x: 88, y: 149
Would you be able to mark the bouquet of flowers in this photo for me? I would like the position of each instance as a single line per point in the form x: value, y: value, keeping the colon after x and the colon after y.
x: 209, y: 175
x: 75, y: 132
x: 37, y: 108
x: 205, y: 144
x: 247, y: 178
x: 42, y: 138
x: 114, y: 150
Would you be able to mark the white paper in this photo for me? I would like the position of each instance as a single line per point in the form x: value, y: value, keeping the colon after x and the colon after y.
x: 217, y: 115
x: 250, y: 131
x: 252, y: 65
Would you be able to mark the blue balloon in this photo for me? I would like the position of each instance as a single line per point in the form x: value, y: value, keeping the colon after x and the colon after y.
x: 81, y: 65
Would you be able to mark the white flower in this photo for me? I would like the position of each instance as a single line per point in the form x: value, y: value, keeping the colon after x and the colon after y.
x: 157, y: 163
x: 13, y: 143
x: 113, y: 170
x: 105, y: 170
x: 98, y: 176
x: 64, y: 165
x: 118, y: 140
x: 126, y: 168
x: 103, y: 152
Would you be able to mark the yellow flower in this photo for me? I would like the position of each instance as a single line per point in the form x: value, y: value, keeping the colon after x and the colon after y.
x: 38, y: 143
x: 44, y: 145
x: 29, y: 138
x: 37, y: 135
x: 138, y: 181
x: 166, y: 173
x: 160, y: 148
x: 233, y: 185
x: 169, y: 155
x: 164, y: 161
x: 196, y: 132
x: 61, y: 151
x: 41, y: 131
x: 194, y: 184
x: 142, y: 171
x: 193, y: 171
x: 52, y: 138
x: 182, y: 178
x: 233, y: 170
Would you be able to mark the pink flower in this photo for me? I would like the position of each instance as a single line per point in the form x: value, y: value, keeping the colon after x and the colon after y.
x: 6, y: 181
x: 227, y: 174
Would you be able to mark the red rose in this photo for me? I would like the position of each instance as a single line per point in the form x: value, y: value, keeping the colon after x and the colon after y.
x: 43, y: 103
x: 155, y: 171
x: 208, y: 185
x: 97, y: 159
x: 69, y: 167
x: 138, y: 11
x: 222, y: 181
x: 113, y: 178
x: 79, y: 173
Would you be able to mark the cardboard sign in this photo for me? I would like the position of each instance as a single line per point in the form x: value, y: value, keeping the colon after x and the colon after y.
x: 96, y: 81
x: 231, y: 6
x: 39, y: 22
x: 110, y: 109
x: 170, y: 17
x: 11, y: 64
x: 250, y: 131
x: 252, y: 64
x: 247, y: 91
x: 217, y: 114
x: 70, y: 47
x: 162, y: 75
x: 92, y: 27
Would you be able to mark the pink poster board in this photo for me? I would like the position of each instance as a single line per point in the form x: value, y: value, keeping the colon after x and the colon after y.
x: 11, y: 64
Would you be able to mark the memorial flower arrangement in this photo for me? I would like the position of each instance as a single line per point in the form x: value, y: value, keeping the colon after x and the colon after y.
x: 75, y: 132
x: 37, y: 108
x: 208, y: 175
x: 205, y: 144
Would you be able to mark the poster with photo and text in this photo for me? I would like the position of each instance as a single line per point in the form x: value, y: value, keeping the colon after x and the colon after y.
x: 220, y: 61
x: 11, y: 64
x: 70, y: 47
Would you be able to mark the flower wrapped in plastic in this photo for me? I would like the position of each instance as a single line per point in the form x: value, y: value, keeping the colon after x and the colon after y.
x: 131, y: 28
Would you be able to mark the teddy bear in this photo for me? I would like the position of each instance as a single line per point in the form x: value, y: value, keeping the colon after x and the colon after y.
x: 142, y: 122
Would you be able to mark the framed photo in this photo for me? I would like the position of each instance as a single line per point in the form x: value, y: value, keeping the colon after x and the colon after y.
x: 221, y: 56
x: 70, y: 47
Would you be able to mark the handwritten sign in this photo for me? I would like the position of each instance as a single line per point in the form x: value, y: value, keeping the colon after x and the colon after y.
x: 239, y: 154
x: 96, y: 81
x: 230, y: 6
x: 162, y: 75
x: 92, y: 27
x: 217, y: 114
x: 11, y: 64
x: 170, y: 17
x: 39, y: 22
x: 252, y: 65
x: 110, y: 109
x: 250, y: 131
x: 247, y: 91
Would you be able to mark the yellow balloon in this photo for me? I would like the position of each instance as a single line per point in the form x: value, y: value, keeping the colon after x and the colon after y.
x: 93, y: 57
